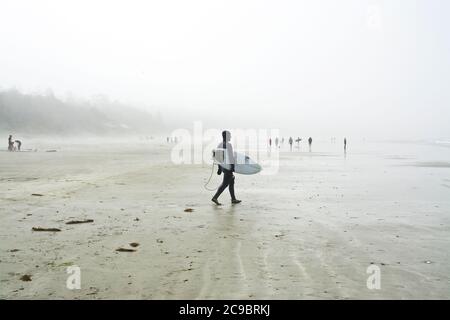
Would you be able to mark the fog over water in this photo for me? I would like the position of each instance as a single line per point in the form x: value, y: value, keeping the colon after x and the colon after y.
x: 372, y: 68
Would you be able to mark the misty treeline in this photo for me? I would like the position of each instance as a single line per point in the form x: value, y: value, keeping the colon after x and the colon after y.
x: 46, y: 114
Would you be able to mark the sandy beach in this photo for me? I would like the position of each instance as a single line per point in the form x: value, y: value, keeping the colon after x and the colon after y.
x: 308, y: 232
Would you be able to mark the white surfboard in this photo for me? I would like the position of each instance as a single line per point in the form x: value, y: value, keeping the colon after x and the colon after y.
x: 244, y: 164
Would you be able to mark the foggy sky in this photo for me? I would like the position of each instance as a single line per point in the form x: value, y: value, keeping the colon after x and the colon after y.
x: 343, y: 68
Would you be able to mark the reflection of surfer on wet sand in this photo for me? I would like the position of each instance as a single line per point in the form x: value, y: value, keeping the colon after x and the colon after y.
x: 228, y: 176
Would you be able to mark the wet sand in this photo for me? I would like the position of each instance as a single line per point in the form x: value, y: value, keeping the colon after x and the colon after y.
x: 309, y: 231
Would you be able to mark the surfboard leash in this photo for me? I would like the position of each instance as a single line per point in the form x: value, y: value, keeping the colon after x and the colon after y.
x: 209, y: 180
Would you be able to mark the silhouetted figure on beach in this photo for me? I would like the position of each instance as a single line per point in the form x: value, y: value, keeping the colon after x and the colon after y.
x: 310, y: 143
x: 298, y: 142
x: 345, y: 144
x: 228, y: 175
x: 290, y: 142
x: 270, y: 142
x: 19, y: 144
x: 10, y: 143
x: 276, y: 142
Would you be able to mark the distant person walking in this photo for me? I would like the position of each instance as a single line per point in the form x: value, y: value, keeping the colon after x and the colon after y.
x: 290, y: 142
x: 345, y: 144
x: 298, y: 142
x: 270, y: 143
x: 310, y: 143
x: 10, y: 143
x: 228, y: 176
x: 19, y: 144
x: 276, y: 142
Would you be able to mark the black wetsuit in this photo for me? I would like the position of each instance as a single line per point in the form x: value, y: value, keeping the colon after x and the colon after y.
x: 228, y: 181
x: 10, y: 144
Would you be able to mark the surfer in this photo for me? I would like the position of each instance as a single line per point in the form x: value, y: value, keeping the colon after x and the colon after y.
x: 298, y: 142
x: 19, y: 144
x: 228, y: 176
x: 10, y: 143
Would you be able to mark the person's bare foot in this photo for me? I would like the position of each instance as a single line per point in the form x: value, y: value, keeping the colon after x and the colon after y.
x: 235, y: 201
x: 216, y: 202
